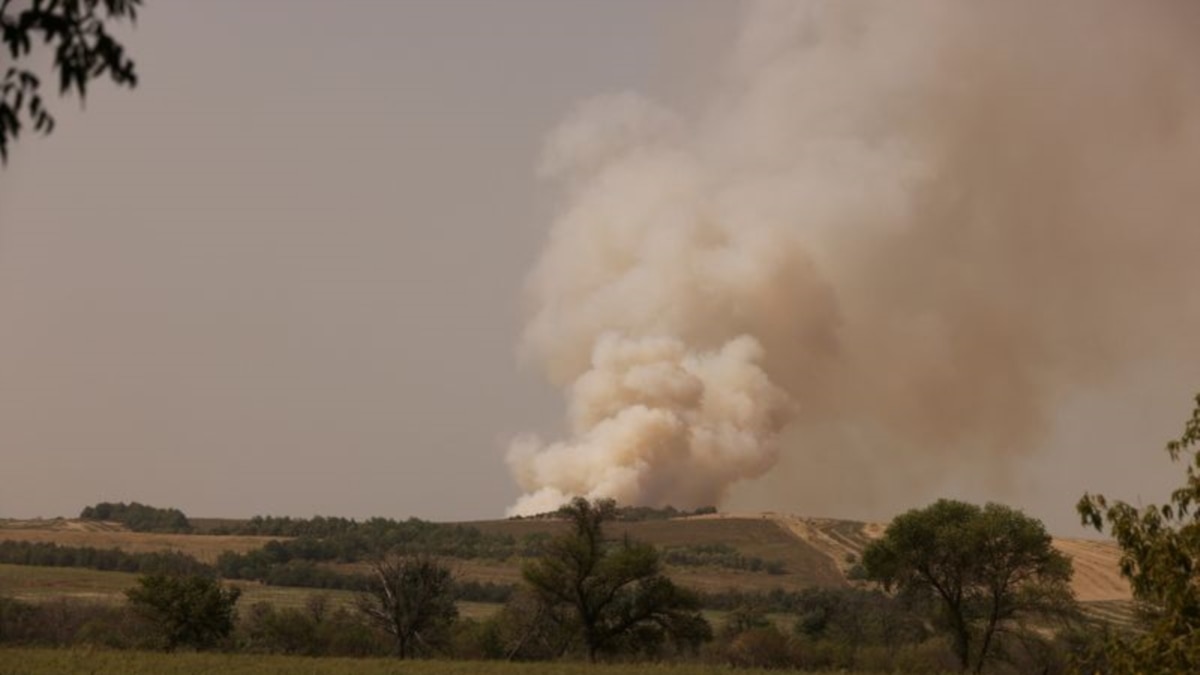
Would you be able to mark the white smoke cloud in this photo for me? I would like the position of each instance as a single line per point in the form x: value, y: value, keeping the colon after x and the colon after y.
x: 897, y: 234
x: 653, y: 421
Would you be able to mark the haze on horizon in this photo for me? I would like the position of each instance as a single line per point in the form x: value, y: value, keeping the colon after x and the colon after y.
x: 286, y: 274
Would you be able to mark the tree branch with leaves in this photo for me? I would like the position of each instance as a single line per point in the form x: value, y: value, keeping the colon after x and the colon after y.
x: 84, y: 50
x: 1160, y: 556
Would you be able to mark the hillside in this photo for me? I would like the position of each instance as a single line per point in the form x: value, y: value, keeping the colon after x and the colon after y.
x: 98, y: 534
x: 796, y: 552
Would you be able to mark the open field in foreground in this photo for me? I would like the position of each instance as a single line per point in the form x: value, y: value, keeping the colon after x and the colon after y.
x: 92, y: 662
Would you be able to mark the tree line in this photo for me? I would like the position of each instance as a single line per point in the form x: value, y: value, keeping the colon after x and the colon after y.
x: 587, y: 596
x: 720, y: 555
x: 46, y: 554
x: 139, y: 517
x: 954, y: 586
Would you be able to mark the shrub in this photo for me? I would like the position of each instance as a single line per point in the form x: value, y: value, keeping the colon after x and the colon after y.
x: 764, y: 647
x: 192, y: 611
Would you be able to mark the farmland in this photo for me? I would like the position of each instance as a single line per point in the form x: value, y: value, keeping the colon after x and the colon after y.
x: 811, y: 552
x: 785, y: 567
x: 111, y: 535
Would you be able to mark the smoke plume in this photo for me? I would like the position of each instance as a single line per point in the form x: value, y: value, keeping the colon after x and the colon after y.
x: 896, y: 235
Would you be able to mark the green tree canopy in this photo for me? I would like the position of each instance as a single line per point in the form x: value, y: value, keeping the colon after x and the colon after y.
x: 983, y: 569
x: 612, y: 593
x: 1160, y: 555
x: 186, y: 611
x: 139, y: 517
x: 76, y: 31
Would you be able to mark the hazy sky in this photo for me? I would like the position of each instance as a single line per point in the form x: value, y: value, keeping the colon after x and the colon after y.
x: 284, y: 275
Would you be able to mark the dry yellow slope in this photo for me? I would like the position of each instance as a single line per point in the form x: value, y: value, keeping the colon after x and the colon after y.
x: 105, y: 535
x: 1097, y: 575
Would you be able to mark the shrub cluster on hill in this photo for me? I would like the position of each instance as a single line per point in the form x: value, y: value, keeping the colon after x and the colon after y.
x: 302, y: 573
x: 349, y: 540
x: 139, y: 517
x: 632, y: 514
x: 112, y: 559
x: 720, y: 555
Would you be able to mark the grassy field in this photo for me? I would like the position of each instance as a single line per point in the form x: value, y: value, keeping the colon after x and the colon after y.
x: 33, y: 584
x: 805, y: 566
x: 814, y: 553
x: 99, y: 535
x: 95, y: 662
x: 37, y: 584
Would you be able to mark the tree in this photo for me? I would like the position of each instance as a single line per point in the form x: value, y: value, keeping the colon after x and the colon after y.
x: 985, y: 569
x: 139, y: 517
x: 1160, y: 556
x: 193, y: 611
x: 83, y: 51
x: 412, y: 599
x: 614, y: 594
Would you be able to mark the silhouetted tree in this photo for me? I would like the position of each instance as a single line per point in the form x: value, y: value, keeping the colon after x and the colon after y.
x: 192, y: 611
x: 412, y: 599
x: 1160, y: 555
x: 83, y: 51
x: 614, y: 592
x: 984, y: 568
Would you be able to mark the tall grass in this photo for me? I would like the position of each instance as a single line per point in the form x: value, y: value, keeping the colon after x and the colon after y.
x: 99, y: 662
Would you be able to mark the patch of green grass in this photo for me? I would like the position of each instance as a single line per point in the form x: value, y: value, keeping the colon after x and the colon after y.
x: 37, y: 584
x: 27, y: 582
x: 98, y: 662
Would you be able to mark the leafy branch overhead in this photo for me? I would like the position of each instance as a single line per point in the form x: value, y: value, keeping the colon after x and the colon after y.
x: 1160, y: 556
x: 83, y: 50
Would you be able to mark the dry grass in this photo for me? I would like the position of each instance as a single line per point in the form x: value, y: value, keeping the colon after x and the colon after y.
x: 814, y: 552
x: 1096, y: 573
x: 204, y: 548
x: 99, y: 662
x: 40, y: 584
x: 805, y: 565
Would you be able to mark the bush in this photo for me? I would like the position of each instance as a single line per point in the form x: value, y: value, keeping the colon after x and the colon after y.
x: 719, y: 555
x: 185, y: 611
x: 930, y: 656
x: 314, y: 630
x: 479, y: 639
x: 764, y: 647
x: 66, y: 621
